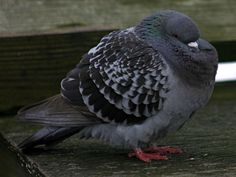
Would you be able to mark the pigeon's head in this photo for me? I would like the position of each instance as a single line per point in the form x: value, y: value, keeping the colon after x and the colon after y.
x: 177, y: 37
x: 169, y: 24
x: 180, y: 27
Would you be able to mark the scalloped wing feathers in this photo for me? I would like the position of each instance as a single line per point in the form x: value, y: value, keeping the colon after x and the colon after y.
x: 125, y: 75
x: 121, y: 80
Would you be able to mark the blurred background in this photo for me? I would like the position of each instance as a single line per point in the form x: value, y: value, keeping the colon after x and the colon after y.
x: 41, y: 40
x: 216, y: 18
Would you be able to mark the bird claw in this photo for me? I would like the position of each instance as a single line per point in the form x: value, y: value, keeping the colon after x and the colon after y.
x: 146, y: 157
x: 164, y: 150
x: 154, y: 153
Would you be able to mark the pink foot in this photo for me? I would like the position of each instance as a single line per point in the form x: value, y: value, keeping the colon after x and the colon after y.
x: 164, y: 150
x: 147, y: 157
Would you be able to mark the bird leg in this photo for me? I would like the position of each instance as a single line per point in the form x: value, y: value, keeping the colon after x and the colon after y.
x: 146, y: 157
x: 154, y: 153
x: 164, y: 150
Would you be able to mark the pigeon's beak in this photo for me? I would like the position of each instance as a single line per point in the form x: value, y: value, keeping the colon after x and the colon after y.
x: 204, y: 45
x: 201, y: 45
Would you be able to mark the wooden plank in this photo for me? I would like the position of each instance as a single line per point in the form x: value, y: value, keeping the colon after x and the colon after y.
x: 208, y: 142
x: 216, y: 18
x: 14, y: 163
x: 32, y: 67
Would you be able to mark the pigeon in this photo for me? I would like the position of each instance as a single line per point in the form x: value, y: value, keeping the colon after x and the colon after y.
x: 136, y: 86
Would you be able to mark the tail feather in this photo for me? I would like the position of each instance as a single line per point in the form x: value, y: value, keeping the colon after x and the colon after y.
x: 60, y: 119
x: 48, y: 136
x: 57, y: 112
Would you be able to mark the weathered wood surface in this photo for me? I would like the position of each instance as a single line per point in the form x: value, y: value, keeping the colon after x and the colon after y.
x: 31, y: 67
x: 14, y: 163
x: 216, y: 18
x: 208, y: 141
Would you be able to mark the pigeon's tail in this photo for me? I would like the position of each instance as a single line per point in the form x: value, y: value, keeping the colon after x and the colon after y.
x: 60, y: 119
x: 48, y: 136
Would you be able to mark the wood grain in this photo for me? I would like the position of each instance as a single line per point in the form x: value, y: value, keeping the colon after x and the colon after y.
x: 32, y: 67
x: 208, y: 142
